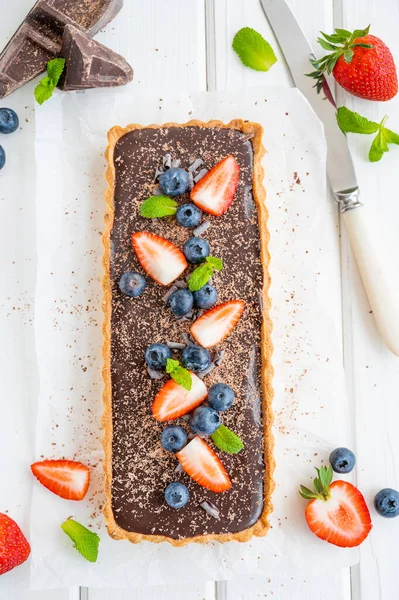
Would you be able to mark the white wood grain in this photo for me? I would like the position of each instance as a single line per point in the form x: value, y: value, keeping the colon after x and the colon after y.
x: 186, y: 592
x: 372, y: 371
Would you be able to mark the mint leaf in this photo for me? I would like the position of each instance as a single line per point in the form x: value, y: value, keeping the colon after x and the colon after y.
x: 216, y: 263
x: 378, y: 147
x: 226, y: 440
x: 86, y: 541
x: 391, y: 137
x: 46, y: 86
x: 254, y: 51
x: 182, y: 377
x: 158, y: 206
x: 352, y: 122
x: 44, y: 90
x: 179, y: 374
x: 55, y: 69
x: 200, y: 277
x: 171, y: 365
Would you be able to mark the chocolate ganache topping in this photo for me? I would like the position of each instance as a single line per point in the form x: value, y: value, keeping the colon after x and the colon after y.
x: 141, y: 469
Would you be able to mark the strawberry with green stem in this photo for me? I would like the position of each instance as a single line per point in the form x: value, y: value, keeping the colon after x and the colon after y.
x: 337, y: 512
x: 361, y: 63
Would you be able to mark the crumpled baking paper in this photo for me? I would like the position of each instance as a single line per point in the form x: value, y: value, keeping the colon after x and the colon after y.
x: 311, y: 409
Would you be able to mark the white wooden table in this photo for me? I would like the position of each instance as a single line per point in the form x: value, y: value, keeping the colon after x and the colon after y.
x: 186, y: 45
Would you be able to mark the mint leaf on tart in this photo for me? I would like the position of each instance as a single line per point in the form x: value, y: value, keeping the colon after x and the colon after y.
x: 86, y: 542
x: 226, y: 440
x: 254, y: 51
x: 202, y: 274
x: 352, y: 122
x: 46, y: 86
x: 158, y: 207
x: 179, y: 374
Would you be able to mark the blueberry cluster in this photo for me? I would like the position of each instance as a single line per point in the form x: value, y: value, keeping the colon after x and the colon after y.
x: 9, y: 123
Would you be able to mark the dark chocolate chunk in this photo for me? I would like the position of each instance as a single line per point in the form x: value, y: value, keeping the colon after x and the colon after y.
x: 89, y: 64
x: 39, y: 38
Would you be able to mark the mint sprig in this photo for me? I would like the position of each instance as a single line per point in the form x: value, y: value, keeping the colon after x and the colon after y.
x: 86, y: 542
x: 352, y: 122
x: 226, y: 440
x: 44, y: 90
x: 202, y: 274
x: 179, y: 374
x: 158, y: 207
x: 254, y: 51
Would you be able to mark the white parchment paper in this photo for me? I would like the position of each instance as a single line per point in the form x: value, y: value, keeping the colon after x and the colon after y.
x: 310, y: 399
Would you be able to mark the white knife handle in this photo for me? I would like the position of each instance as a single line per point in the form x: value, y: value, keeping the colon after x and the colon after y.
x: 380, y: 275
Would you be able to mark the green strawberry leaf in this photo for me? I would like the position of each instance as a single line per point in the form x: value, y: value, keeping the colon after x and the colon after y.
x: 158, y: 206
x: 86, y: 542
x: 226, y: 440
x: 254, y: 51
x: 352, y: 122
x: 200, y: 277
x: 55, y: 69
x: 307, y: 493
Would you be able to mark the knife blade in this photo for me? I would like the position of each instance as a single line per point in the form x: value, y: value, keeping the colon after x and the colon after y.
x: 297, y: 52
x: 369, y: 243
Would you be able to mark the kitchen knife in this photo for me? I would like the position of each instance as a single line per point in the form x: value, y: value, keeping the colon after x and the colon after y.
x: 373, y: 257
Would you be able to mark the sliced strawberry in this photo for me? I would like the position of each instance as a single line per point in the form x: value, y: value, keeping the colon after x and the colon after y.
x: 215, y: 191
x: 217, y: 323
x: 161, y: 259
x: 337, y: 511
x: 173, y: 400
x: 14, y: 547
x: 66, y: 478
x: 203, y: 465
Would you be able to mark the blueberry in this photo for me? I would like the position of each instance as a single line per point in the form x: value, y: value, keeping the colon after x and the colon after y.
x: 206, y: 297
x: 196, y: 358
x: 173, y: 438
x: 2, y: 157
x: 9, y: 121
x: 188, y: 215
x: 342, y: 460
x: 132, y: 284
x: 386, y: 503
x: 181, y: 302
x: 196, y: 250
x: 204, y: 420
x: 176, y: 495
x: 174, y: 182
x: 156, y: 356
x: 220, y: 396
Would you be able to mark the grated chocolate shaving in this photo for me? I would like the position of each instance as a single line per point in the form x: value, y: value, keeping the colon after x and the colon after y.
x: 210, y: 508
x: 200, y: 175
x: 155, y: 374
x: 175, y: 345
x: 201, y: 228
x: 195, y: 165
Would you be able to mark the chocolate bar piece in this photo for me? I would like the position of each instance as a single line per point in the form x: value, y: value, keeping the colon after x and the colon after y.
x: 89, y: 64
x: 39, y: 38
x: 137, y: 468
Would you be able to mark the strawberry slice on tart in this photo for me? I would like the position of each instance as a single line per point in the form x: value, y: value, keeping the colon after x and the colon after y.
x: 217, y: 323
x: 160, y: 259
x: 203, y: 465
x: 337, y: 512
x: 216, y: 190
x: 68, y: 479
x: 174, y: 401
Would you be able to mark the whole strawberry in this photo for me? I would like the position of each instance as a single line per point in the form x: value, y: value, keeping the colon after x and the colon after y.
x: 14, y: 547
x: 361, y: 63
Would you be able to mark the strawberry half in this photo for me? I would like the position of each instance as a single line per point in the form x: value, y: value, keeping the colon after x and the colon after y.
x: 161, y: 259
x: 217, y: 323
x: 203, y: 465
x: 14, y: 547
x: 65, y: 478
x: 215, y: 191
x: 337, y: 512
x: 173, y: 400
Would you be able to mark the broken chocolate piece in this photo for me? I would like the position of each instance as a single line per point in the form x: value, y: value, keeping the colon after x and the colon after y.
x: 39, y: 38
x: 90, y: 64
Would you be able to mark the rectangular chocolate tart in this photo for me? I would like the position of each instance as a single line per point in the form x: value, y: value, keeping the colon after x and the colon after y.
x: 137, y: 469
